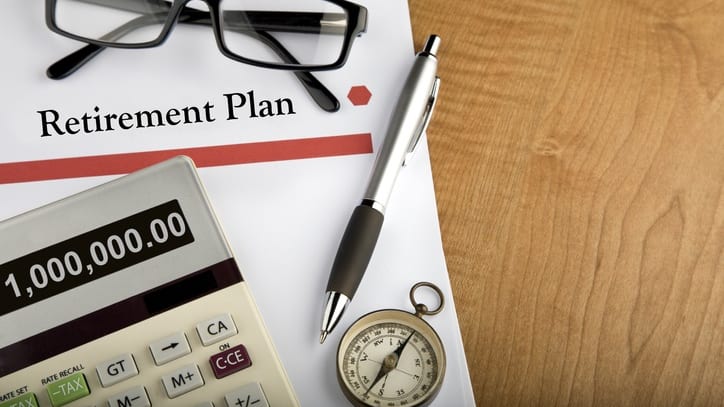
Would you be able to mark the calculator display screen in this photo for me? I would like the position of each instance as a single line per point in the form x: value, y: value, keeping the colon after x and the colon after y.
x: 95, y: 254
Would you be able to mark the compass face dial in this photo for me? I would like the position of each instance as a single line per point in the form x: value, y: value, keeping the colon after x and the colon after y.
x: 390, y: 358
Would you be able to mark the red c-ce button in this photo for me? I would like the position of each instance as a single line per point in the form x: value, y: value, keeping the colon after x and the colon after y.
x: 230, y: 361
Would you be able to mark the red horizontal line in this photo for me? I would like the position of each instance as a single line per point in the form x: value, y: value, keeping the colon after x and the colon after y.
x: 111, y: 164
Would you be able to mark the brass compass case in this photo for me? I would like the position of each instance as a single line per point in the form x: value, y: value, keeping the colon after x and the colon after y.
x: 391, y: 357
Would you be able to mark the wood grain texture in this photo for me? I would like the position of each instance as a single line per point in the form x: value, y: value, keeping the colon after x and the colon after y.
x: 578, y: 157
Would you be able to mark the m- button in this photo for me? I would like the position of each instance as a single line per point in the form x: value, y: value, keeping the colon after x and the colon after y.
x: 216, y: 329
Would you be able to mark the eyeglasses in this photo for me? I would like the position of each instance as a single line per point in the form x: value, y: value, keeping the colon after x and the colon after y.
x: 315, y: 36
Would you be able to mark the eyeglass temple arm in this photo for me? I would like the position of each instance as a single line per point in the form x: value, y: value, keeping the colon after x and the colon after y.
x: 288, y: 21
x: 324, y: 98
x: 321, y: 95
x: 72, y: 62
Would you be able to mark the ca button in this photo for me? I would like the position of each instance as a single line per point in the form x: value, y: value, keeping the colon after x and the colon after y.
x: 215, y: 329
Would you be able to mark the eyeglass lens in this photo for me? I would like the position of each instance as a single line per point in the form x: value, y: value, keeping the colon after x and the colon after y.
x: 311, y: 33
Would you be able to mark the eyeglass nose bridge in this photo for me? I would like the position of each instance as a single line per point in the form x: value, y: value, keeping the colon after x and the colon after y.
x: 179, y: 12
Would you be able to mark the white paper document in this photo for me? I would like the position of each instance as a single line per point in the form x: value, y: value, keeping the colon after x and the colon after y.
x: 283, y: 175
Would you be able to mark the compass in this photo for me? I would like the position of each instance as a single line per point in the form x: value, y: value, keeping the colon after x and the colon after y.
x: 392, y: 357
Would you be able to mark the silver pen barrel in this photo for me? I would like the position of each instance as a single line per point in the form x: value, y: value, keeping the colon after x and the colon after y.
x: 404, y: 125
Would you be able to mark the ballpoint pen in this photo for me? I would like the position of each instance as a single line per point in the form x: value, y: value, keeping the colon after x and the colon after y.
x: 408, y: 121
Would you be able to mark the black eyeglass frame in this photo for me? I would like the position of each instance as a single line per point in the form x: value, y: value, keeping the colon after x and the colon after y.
x: 356, y: 24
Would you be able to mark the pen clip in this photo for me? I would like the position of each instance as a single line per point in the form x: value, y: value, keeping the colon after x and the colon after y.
x: 425, y: 121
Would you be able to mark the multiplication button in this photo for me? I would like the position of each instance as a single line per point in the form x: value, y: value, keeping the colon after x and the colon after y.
x: 169, y: 348
x: 216, y: 329
x: 182, y: 381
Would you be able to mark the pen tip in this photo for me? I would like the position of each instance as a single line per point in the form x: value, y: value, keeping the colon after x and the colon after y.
x: 322, y: 337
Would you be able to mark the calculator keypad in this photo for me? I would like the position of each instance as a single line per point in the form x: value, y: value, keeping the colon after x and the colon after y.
x: 186, y: 358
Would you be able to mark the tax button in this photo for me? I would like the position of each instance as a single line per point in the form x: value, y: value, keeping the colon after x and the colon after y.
x: 230, y: 361
x: 26, y: 400
x: 68, y: 389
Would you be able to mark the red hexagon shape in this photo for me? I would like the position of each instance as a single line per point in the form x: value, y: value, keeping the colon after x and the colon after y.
x: 359, y: 95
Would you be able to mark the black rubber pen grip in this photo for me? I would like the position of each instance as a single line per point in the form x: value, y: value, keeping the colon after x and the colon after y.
x: 355, y: 250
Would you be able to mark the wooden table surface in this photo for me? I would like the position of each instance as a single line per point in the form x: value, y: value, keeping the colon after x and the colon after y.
x: 578, y: 157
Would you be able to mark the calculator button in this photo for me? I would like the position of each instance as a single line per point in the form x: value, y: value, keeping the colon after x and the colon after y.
x: 68, y: 389
x: 230, y: 361
x: 205, y: 404
x: 249, y: 395
x: 116, y: 370
x: 27, y: 399
x: 182, y: 381
x: 169, y: 348
x: 216, y: 329
x: 135, y: 397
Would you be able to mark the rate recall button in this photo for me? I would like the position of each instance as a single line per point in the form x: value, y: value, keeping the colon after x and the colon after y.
x: 69, y: 389
x: 230, y: 361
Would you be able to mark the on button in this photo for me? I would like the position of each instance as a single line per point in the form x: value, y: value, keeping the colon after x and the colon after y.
x: 230, y: 361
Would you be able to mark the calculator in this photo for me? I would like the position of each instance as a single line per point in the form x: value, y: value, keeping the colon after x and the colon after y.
x: 128, y: 295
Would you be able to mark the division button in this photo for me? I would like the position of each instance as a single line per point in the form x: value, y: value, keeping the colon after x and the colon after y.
x: 249, y: 395
x: 169, y: 348
x: 216, y: 329
x: 230, y: 361
x: 135, y: 397
x: 182, y: 381
x: 116, y: 369
x: 68, y: 389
